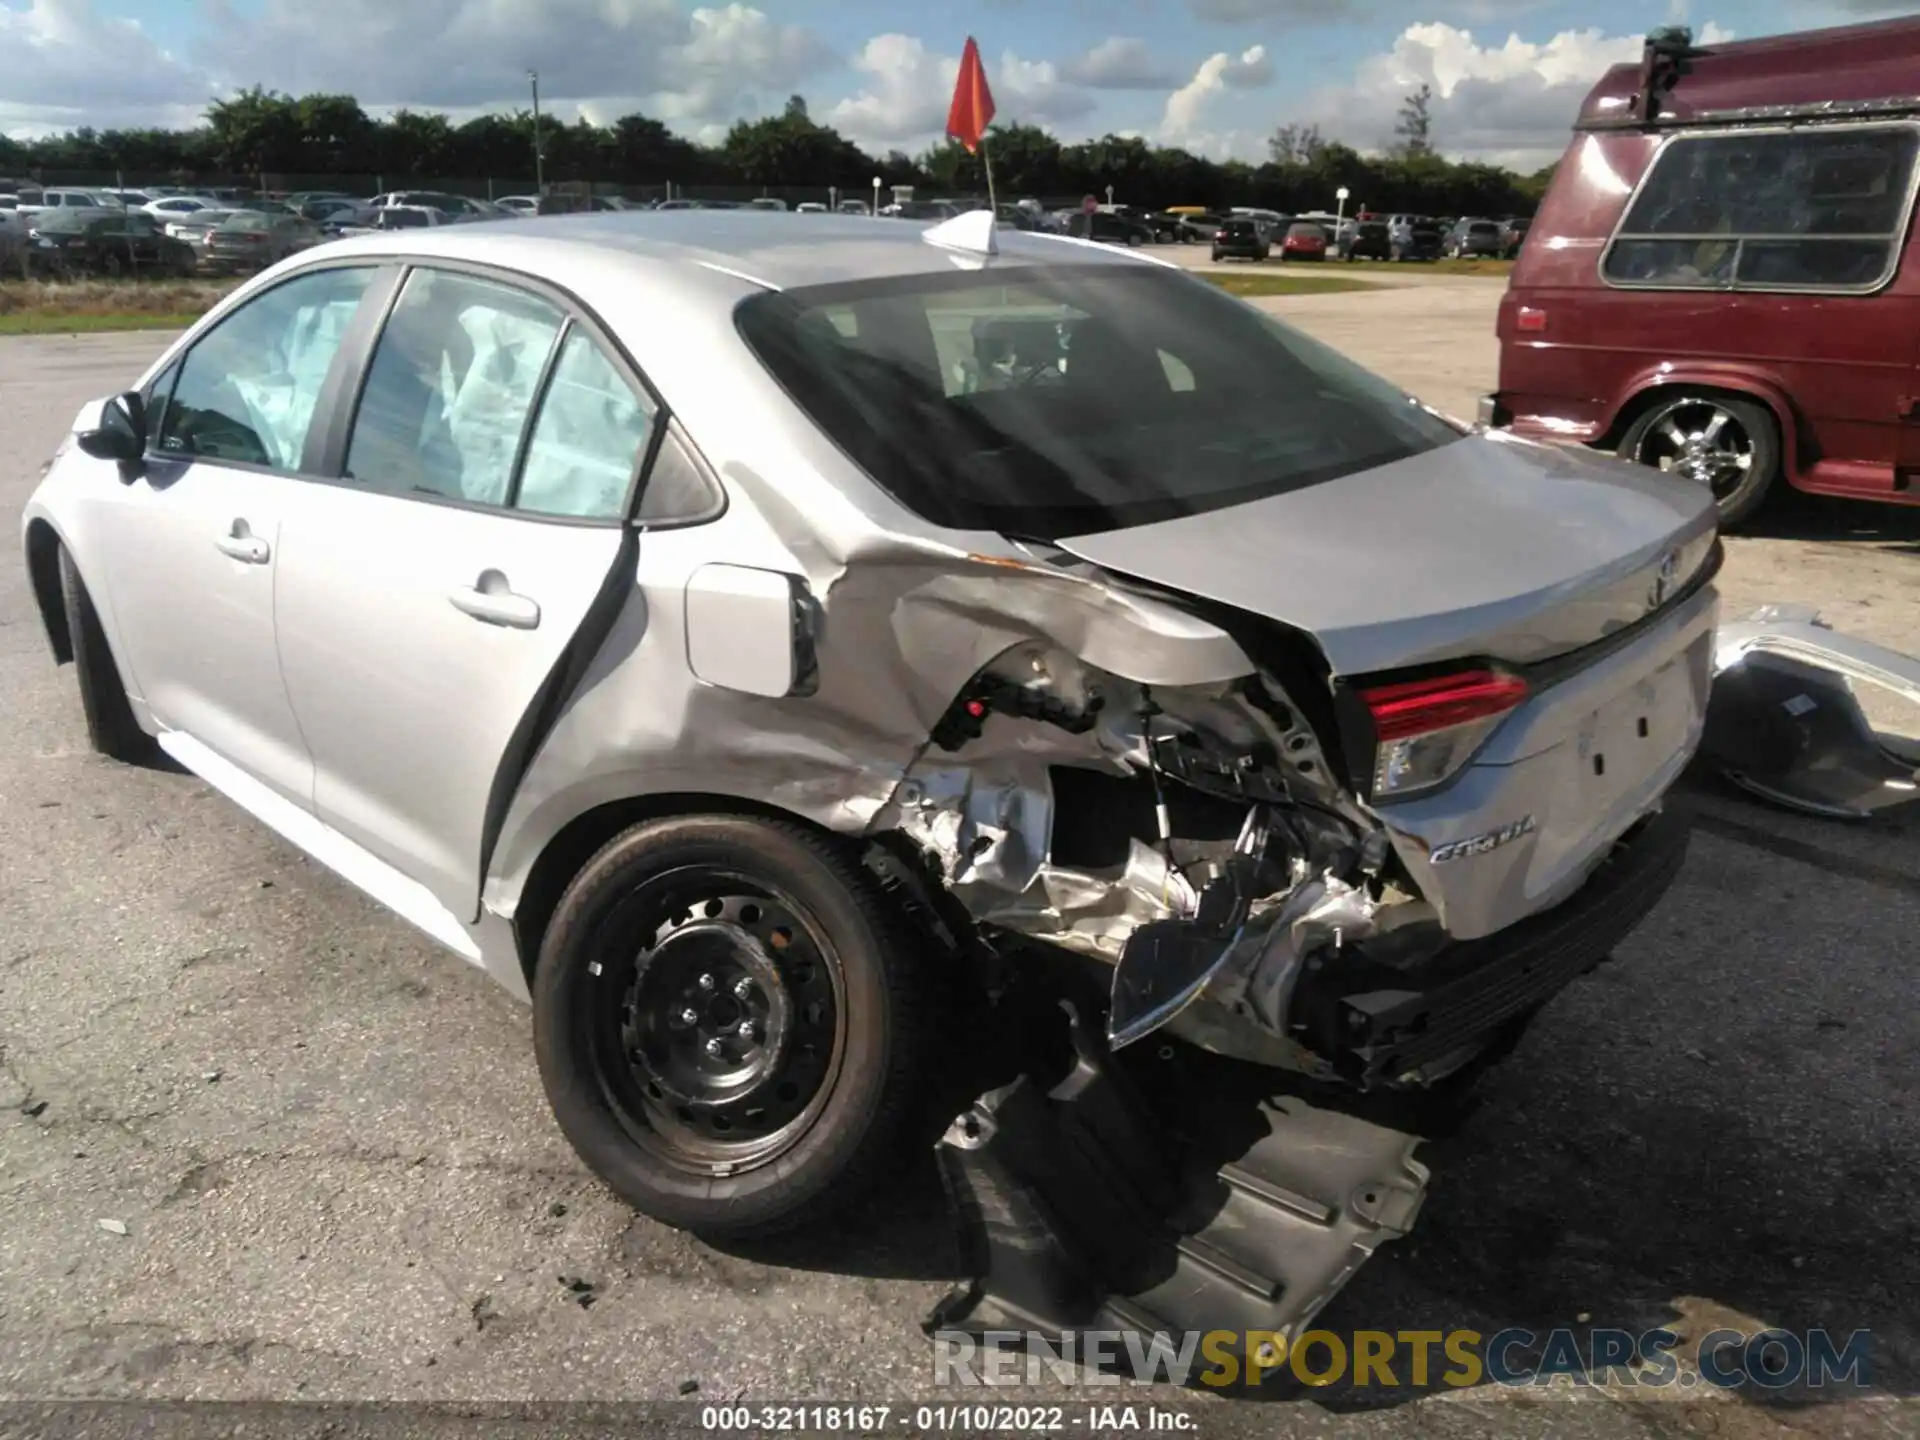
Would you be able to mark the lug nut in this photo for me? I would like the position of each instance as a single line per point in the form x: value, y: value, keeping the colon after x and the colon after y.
x: 707, y: 982
x: 748, y: 1031
x: 715, y: 1048
x: 742, y: 988
x: 689, y: 1016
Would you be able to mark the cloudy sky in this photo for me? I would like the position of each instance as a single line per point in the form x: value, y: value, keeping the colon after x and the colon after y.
x: 1213, y: 75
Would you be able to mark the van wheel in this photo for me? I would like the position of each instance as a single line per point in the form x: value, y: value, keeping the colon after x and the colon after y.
x: 111, y: 728
x: 729, y: 1028
x: 1728, y: 444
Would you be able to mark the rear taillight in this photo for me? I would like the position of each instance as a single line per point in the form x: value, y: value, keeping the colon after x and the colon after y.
x: 1425, y: 730
x: 1219, y: 234
x: 1529, y: 320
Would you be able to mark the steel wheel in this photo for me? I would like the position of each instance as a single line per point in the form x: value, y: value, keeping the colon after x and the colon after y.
x: 727, y: 1037
x: 1699, y: 438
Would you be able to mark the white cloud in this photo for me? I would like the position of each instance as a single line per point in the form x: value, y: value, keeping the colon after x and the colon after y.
x: 1193, y: 118
x: 1120, y: 63
x: 697, y: 69
x: 904, y: 100
x: 1511, y: 103
x: 67, y: 65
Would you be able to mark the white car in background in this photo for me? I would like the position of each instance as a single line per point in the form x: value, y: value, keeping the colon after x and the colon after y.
x: 179, y: 207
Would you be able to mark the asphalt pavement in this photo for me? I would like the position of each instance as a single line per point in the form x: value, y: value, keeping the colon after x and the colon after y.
x: 331, y: 1174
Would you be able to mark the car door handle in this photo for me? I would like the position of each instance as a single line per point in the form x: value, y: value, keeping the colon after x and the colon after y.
x: 491, y: 601
x: 243, y: 545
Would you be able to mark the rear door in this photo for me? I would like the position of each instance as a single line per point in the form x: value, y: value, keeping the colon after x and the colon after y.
x: 431, y: 599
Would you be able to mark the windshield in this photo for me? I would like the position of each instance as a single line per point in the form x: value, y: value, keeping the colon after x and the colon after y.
x: 66, y: 220
x: 1305, y: 232
x: 245, y: 220
x: 1073, y: 399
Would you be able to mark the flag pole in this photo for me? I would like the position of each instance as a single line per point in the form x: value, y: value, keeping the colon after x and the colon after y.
x: 986, y: 159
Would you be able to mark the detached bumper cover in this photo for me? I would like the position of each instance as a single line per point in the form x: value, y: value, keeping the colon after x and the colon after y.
x: 1786, y: 721
x: 1380, y: 1025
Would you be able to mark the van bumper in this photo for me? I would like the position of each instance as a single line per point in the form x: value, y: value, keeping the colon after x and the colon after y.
x: 1493, y: 413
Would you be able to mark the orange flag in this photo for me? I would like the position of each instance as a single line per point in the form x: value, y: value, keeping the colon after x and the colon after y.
x: 972, y: 109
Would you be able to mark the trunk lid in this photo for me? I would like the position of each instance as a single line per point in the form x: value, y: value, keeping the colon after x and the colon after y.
x: 1490, y: 546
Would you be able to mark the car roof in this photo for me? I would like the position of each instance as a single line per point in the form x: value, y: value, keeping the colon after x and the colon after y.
x: 1825, y: 71
x: 770, y: 249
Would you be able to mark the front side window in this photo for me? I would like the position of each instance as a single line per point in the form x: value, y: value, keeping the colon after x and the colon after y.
x: 1075, y: 399
x: 248, y: 387
x: 453, y: 380
x: 588, y: 438
x: 1815, y: 209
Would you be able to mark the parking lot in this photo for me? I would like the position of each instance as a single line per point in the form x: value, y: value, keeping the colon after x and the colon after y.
x: 328, y: 1147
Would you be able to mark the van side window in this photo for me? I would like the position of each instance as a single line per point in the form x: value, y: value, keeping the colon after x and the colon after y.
x: 1815, y: 209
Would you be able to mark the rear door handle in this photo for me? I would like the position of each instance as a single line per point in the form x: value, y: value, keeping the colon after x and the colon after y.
x: 241, y: 544
x: 491, y: 600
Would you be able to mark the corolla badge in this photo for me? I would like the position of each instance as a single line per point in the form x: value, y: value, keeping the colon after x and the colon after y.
x: 1482, y: 844
x: 1663, y: 580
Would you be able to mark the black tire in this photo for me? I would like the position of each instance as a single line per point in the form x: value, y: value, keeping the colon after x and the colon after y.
x: 625, y: 1111
x: 111, y: 728
x: 1397, y: 255
x: 1739, y: 501
x: 1216, y: 257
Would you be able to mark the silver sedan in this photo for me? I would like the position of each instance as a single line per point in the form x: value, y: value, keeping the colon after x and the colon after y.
x: 751, y: 637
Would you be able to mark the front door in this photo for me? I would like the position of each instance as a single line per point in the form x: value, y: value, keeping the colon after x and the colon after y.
x: 431, y: 598
x: 191, y: 549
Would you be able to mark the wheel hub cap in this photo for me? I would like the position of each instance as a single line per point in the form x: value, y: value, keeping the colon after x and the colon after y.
x: 713, y: 1012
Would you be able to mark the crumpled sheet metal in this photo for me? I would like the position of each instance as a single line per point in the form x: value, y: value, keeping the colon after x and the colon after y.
x: 1786, y: 720
x: 903, y: 630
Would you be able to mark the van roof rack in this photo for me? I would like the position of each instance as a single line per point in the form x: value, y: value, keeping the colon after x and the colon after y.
x: 1852, y: 73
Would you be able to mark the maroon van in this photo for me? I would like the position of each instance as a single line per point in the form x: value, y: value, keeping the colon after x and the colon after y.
x: 1714, y: 283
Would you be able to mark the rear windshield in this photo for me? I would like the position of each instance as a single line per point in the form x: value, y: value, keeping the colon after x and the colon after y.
x: 1305, y: 232
x: 1075, y: 399
x: 1373, y: 230
x: 1483, y: 227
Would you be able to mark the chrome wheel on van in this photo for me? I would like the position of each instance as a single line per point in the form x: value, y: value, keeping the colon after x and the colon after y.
x: 1729, y: 444
x: 1699, y: 439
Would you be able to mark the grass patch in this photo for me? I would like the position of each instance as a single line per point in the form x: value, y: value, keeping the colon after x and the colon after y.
x: 29, y: 323
x: 1500, y: 268
x: 1254, y: 286
x: 67, y: 307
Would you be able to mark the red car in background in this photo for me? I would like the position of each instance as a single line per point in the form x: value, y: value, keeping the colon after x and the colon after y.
x: 1724, y: 283
x: 1304, y: 241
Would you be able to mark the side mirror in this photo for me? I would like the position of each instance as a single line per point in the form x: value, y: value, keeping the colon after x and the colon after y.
x: 121, y: 432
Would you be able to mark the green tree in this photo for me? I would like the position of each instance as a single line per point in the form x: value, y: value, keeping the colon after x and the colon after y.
x: 336, y: 135
x: 1413, y: 129
x: 255, y: 131
x: 789, y: 149
x: 417, y: 144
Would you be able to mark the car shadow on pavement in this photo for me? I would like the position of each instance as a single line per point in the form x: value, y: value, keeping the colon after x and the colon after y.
x: 1795, y: 515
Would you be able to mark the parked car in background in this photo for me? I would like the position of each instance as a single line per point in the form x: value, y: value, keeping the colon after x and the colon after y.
x: 454, y: 207
x: 1240, y: 238
x: 331, y: 211
x: 69, y: 242
x: 1198, y: 227
x: 1110, y: 229
x: 250, y: 240
x: 193, y: 230
x: 1414, y: 237
x: 1732, y: 302
x: 178, y: 207
x: 767, y: 202
x: 1365, y: 240
x: 519, y: 204
x: 1513, y: 234
x: 1471, y: 239
x: 64, y: 198
x: 847, y: 207
x: 1304, y: 240
x: 810, y: 207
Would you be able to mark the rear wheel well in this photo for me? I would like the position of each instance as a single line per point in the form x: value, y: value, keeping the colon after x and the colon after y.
x: 582, y: 838
x: 43, y: 569
x: 1644, y: 400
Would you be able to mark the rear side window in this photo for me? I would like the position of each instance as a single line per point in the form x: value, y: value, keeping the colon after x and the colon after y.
x: 1818, y: 209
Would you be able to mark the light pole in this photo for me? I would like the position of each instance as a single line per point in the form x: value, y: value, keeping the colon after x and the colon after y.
x: 876, y: 195
x: 1340, y: 214
x: 539, y: 162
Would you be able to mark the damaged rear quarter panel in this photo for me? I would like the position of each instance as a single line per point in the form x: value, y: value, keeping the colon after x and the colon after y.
x: 905, y: 622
